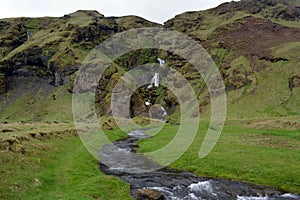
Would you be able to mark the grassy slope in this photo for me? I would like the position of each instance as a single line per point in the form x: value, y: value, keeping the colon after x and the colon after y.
x: 39, y: 106
x: 57, y: 168
x: 271, y: 95
x: 272, y: 84
x: 267, y: 157
x: 268, y: 95
x: 270, y: 98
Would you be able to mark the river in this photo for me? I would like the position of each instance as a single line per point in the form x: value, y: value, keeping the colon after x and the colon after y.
x: 174, y: 184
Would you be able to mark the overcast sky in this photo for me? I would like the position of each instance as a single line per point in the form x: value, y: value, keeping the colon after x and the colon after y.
x: 153, y: 10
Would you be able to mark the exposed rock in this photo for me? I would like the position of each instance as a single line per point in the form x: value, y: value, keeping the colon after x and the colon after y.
x: 12, y: 140
x: 12, y: 35
x: 106, y: 126
x: 14, y: 143
x: 138, y: 107
x: 273, y: 59
x: 279, y: 8
x: 36, y: 182
x: 94, y: 31
x: 148, y: 194
x: 288, y: 13
x: 256, y: 43
x: 294, y: 81
x: 2, y: 83
x: 6, y: 130
x: 18, y: 148
x: 91, y: 13
x: 158, y: 112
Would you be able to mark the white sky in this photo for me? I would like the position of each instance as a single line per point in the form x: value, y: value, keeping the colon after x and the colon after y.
x: 153, y: 10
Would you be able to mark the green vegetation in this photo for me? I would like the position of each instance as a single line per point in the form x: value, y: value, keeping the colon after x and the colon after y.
x: 45, y: 103
x: 57, y: 168
x: 268, y: 93
x: 256, y: 155
x: 60, y: 167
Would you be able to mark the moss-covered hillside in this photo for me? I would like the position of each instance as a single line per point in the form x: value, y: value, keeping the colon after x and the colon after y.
x: 39, y: 58
x: 255, y: 43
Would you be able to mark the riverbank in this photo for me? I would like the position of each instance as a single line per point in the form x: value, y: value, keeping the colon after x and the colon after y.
x: 254, y: 154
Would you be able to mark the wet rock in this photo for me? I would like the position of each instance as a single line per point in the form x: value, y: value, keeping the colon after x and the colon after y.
x: 158, y: 112
x: 138, y: 107
x: 149, y: 194
x: 169, y: 183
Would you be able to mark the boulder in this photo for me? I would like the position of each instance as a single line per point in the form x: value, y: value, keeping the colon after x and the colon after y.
x: 149, y: 194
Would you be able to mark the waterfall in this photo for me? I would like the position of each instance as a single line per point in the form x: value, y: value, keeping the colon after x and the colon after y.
x: 161, y: 62
x: 155, y: 80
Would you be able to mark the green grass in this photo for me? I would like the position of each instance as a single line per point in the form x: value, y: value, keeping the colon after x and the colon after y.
x: 61, y: 168
x: 265, y: 95
x: 19, y: 129
x: 257, y: 156
x: 42, y: 105
x: 57, y: 169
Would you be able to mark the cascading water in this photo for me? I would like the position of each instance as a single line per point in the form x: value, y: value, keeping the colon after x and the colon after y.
x: 154, y: 81
x: 173, y: 184
x: 161, y: 62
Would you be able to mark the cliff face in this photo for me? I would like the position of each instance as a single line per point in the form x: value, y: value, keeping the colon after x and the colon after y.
x: 53, y: 48
x: 39, y: 58
x: 254, y: 43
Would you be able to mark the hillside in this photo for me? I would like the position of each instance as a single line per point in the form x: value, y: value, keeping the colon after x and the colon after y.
x: 39, y: 58
x: 255, y: 44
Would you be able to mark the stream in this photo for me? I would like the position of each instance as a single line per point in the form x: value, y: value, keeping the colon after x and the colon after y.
x: 174, y: 184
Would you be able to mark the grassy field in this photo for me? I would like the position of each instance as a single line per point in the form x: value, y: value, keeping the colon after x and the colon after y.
x: 244, y: 152
x: 57, y: 168
x: 265, y: 152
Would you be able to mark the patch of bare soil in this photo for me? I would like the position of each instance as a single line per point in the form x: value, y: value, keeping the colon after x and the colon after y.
x: 253, y: 36
x: 275, y: 124
x: 14, y: 143
x: 268, y: 141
